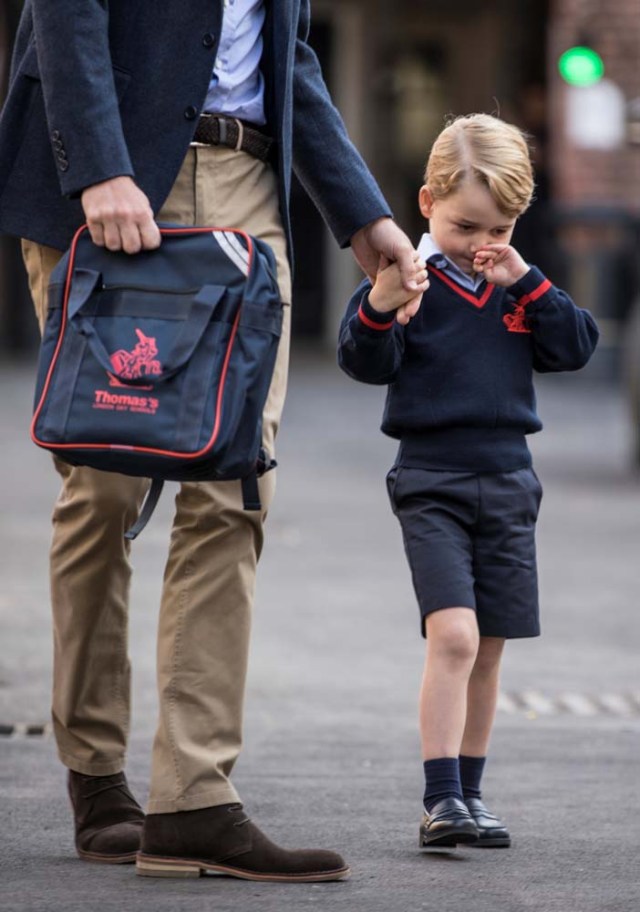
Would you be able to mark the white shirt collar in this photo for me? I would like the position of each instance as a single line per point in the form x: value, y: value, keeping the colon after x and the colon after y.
x: 428, y: 249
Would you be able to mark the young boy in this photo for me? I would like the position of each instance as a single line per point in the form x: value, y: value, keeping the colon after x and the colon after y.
x: 460, y: 401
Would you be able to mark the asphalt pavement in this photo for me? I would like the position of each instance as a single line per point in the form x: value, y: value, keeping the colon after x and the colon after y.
x: 331, y: 753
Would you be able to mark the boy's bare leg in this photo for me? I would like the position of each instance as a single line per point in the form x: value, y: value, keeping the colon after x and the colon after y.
x: 482, y: 697
x: 452, y: 647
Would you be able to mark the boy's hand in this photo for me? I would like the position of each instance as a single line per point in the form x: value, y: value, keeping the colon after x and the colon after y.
x: 383, y: 238
x: 500, y: 264
x: 389, y: 293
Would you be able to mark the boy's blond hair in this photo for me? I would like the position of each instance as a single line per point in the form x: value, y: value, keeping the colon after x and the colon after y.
x: 491, y: 151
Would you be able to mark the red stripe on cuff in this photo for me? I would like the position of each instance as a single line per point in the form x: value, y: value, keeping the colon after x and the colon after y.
x: 371, y: 323
x: 542, y: 288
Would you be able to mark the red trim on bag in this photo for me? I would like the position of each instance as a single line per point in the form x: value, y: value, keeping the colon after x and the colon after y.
x: 223, y: 374
x: 477, y: 302
x: 63, y: 323
x: 372, y: 323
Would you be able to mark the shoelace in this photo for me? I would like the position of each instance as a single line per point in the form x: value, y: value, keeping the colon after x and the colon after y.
x: 238, y: 807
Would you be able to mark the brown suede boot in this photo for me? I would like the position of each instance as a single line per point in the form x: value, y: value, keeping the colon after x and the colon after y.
x: 108, y: 819
x: 223, y: 840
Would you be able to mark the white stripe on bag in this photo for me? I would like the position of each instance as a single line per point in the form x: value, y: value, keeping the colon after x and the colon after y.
x: 231, y: 252
x: 235, y: 242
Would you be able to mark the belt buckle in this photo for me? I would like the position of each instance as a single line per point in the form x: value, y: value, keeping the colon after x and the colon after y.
x: 223, y: 136
x: 238, y: 146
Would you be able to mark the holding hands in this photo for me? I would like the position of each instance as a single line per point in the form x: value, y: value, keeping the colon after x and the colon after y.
x: 379, y: 244
x: 389, y: 293
x: 500, y: 264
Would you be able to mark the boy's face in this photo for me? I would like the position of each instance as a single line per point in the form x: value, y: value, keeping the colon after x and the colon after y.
x: 464, y: 221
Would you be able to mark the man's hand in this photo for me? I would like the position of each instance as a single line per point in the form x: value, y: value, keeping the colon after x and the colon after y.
x: 500, y: 264
x: 388, y: 292
x: 119, y: 216
x: 384, y: 238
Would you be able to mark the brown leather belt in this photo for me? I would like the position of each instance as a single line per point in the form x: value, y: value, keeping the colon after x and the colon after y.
x: 219, y: 130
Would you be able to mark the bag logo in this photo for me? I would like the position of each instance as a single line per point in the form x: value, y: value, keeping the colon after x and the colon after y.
x: 131, y: 365
x: 114, y: 402
x: 139, y: 362
x: 516, y: 322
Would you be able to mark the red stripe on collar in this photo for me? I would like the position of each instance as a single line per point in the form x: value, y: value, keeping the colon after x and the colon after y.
x: 477, y: 302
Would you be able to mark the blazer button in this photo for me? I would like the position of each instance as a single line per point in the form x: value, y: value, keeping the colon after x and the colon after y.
x: 63, y: 165
x: 191, y: 112
x: 57, y: 144
x: 208, y: 40
x: 56, y: 135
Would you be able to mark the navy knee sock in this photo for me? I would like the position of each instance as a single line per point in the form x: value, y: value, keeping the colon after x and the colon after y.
x: 442, y: 780
x: 471, y: 769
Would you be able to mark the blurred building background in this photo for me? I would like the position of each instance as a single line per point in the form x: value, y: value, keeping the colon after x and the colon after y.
x: 396, y: 68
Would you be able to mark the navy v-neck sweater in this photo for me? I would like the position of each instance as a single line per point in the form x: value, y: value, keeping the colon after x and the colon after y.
x: 460, y: 374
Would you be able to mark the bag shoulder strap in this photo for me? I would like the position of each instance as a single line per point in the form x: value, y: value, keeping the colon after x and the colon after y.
x: 250, y: 496
x: 149, y: 505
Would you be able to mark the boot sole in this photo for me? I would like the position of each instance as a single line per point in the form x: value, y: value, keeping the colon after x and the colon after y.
x: 149, y: 866
x: 128, y: 858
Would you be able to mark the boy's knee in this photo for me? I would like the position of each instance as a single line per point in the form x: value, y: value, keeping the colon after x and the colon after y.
x: 456, y: 638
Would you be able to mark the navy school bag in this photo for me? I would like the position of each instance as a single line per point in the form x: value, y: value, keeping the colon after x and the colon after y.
x: 159, y: 364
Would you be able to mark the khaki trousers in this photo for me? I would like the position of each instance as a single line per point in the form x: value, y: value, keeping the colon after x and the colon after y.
x: 205, y: 613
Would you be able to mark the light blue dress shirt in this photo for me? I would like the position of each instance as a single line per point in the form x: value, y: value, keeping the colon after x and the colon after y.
x: 237, y: 85
x: 427, y: 248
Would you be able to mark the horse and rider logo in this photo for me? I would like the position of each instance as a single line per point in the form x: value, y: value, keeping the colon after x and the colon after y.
x: 516, y: 321
x: 139, y: 362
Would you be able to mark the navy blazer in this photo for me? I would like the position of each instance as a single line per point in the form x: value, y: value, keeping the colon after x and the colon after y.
x: 101, y: 88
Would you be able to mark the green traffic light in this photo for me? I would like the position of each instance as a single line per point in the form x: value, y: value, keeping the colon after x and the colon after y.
x: 581, y: 66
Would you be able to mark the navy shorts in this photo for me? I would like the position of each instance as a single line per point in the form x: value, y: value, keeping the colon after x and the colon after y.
x: 470, y: 543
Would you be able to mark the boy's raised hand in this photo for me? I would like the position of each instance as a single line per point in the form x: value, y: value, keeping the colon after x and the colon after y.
x: 500, y: 264
x: 389, y: 293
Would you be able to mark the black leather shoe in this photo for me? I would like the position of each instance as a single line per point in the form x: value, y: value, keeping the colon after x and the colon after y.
x: 108, y: 819
x: 493, y: 832
x: 448, y: 824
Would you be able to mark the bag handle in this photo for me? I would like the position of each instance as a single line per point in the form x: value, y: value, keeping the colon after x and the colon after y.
x: 203, y: 305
